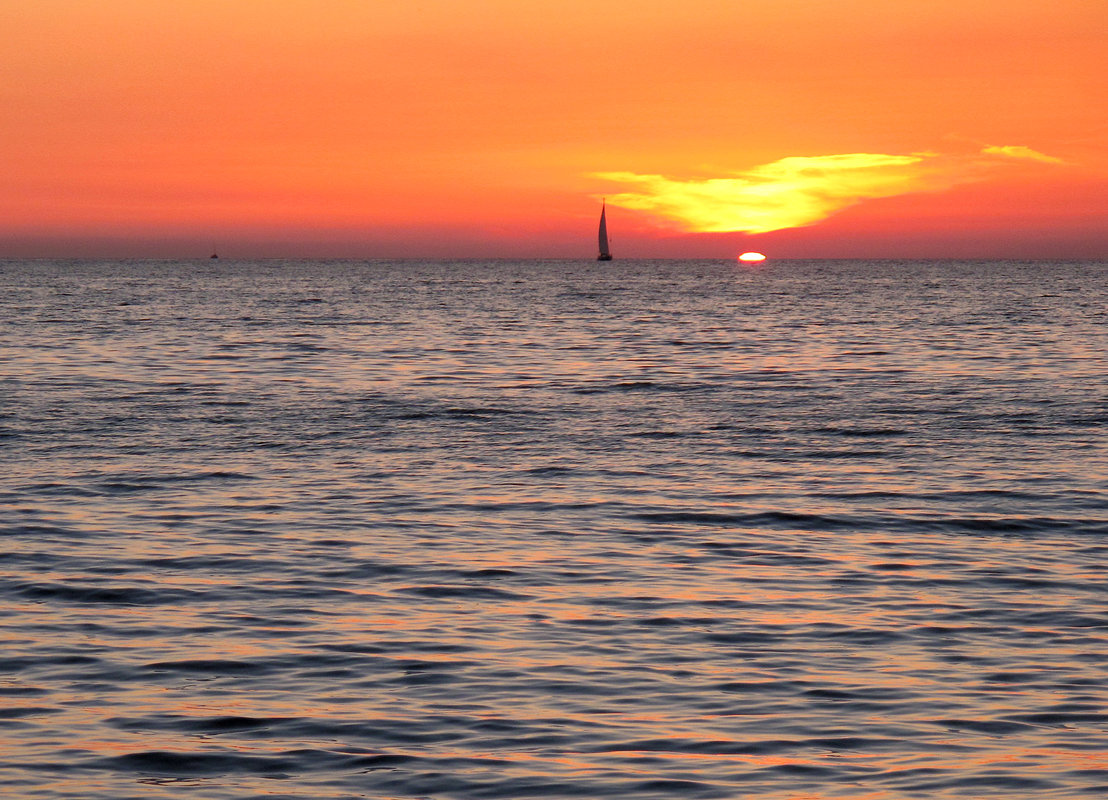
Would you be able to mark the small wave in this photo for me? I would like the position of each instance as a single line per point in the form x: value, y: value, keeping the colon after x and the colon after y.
x: 866, y: 637
x: 745, y: 638
x: 1012, y: 677
x: 624, y: 387
x: 1012, y: 524
x: 305, y: 347
x: 488, y: 572
x: 861, y: 433
x: 552, y: 470
x: 662, y: 435
x: 453, y: 412
x: 367, y: 570
x: 161, y: 762
x: 991, y: 726
x: 144, y: 483
x: 106, y: 595
x: 52, y: 489
x: 789, y: 520
x: 1097, y: 717
x: 251, y: 564
x: 27, y: 711
x: 796, y: 770
x: 830, y: 455
x: 699, y: 747
x: 462, y: 411
x: 462, y: 592
x: 1007, y: 785
x: 45, y: 532
x: 202, y: 725
x: 208, y: 667
x: 755, y: 519
x: 19, y: 691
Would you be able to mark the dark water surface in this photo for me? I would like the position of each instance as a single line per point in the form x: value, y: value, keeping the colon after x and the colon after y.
x: 553, y: 529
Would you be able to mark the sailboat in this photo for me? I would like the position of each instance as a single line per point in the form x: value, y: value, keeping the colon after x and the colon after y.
x: 605, y: 253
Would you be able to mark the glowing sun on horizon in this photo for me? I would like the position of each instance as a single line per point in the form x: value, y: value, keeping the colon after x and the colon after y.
x: 752, y: 257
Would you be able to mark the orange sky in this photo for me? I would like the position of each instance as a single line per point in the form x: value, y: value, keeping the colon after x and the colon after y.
x: 367, y: 128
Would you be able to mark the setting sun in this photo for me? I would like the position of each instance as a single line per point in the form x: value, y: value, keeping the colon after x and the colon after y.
x: 751, y: 257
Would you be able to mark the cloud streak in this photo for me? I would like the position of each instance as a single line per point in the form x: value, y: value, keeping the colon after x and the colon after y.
x: 803, y: 190
x: 1019, y: 151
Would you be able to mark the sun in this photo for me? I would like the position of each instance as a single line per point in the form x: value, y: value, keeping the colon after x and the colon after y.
x: 751, y: 257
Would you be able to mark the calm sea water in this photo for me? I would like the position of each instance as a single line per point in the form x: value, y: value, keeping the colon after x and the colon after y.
x: 555, y: 529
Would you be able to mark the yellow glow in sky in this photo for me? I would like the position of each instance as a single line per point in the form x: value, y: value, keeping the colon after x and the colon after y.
x: 798, y: 190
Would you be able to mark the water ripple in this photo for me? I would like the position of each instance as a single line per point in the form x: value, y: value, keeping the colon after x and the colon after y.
x: 546, y: 529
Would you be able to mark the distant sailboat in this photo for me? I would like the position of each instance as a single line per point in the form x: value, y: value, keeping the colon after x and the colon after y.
x: 605, y: 253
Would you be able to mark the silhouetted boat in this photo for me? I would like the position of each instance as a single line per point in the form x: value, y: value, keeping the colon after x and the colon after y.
x: 605, y: 253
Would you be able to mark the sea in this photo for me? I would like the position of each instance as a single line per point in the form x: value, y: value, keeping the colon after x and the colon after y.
x: 475, y: 529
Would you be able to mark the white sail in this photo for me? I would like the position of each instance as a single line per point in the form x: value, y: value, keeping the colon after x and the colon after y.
x: 605, y: 253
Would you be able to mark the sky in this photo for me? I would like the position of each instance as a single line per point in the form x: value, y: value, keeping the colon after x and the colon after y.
x: 496, y: 128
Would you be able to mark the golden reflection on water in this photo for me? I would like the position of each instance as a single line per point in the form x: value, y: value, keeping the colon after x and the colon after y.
x: 612, y: 526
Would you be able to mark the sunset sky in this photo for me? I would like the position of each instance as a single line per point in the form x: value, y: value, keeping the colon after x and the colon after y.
x: 472, y: 128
